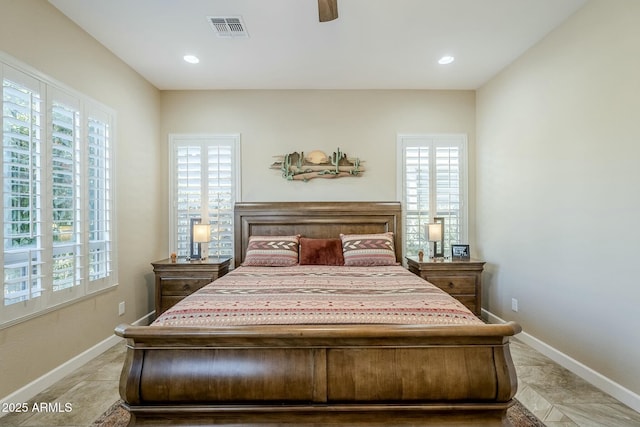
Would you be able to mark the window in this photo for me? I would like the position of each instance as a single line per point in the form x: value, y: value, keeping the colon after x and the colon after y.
x: 204, y: 184
x: 56, y: 191
x: 432, y: 178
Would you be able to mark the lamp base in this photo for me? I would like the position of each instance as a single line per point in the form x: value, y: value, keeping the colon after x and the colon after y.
x: 433, y: 256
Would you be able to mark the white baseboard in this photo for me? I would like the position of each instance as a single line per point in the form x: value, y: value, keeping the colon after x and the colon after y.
x: 40, y: 384
x: 595, y: 378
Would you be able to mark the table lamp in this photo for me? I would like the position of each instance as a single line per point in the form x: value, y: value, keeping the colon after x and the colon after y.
x: 434, y: 235
x: 202, y: 234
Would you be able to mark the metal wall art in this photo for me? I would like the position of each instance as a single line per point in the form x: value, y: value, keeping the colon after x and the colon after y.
x: 298, y: 167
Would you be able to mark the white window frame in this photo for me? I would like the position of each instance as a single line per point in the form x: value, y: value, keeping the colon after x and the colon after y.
x: 81, y: 285
x: 203, y: 211
x: 433, y: 140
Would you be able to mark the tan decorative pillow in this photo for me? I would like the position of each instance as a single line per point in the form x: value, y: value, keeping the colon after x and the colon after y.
x: 272, y: 251
x: 368, y: 249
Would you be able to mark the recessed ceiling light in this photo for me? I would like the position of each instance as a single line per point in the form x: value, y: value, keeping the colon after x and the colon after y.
x: 191, y: 59
x: 446, y: 60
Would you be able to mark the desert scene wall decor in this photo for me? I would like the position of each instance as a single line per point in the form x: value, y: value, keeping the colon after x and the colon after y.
x: 316, y: 164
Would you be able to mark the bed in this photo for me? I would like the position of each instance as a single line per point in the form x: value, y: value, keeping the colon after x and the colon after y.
x: 310, y: 367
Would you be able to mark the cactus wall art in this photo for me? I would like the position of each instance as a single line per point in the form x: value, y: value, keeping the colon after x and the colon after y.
x: 298, y: 167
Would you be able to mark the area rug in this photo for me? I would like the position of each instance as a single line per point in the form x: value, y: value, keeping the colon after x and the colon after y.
x: 117, y: 416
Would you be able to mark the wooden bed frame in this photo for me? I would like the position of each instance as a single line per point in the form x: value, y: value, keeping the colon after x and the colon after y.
x: 318, y: 374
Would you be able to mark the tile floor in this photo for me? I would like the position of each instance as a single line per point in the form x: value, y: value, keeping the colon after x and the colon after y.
x: 561, y: 399
x: 90, y: 390
x: 552, y: 393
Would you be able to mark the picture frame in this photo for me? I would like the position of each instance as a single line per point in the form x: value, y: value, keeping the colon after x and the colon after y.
x: 460, y: 252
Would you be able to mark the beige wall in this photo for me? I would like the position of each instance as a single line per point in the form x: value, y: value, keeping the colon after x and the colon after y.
x: 363, y: 123
x: 558, y: 137
x: 35, y: 33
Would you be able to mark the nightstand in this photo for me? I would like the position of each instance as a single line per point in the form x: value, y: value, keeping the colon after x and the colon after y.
x: 462, y: 279
x: 176, y: 280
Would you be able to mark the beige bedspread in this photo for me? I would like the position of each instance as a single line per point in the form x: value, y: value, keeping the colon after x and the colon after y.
x: 317, y: 295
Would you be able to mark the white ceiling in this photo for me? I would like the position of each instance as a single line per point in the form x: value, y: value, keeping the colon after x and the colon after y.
x: 374, y: 44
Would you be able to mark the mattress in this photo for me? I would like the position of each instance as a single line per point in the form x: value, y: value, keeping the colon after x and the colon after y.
x: 317, y: 295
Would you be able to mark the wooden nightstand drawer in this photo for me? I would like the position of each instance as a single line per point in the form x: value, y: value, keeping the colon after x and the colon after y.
x: 455, y: 284
x: 182, y: 287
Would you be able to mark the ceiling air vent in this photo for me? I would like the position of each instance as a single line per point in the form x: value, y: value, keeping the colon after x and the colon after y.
x: 228, y: 26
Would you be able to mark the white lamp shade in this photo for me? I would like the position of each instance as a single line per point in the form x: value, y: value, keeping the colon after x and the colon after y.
x: 201, y: 233
x: 434, y: 232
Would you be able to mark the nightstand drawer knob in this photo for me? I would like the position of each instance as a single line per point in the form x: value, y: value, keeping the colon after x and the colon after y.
x: 186, y: 287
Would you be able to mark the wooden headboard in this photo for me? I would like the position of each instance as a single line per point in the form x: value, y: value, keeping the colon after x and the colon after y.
x: 316, y: 220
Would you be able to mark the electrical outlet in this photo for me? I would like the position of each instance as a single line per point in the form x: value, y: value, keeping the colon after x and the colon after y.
x: 514, y: 304
x: 121, y: 308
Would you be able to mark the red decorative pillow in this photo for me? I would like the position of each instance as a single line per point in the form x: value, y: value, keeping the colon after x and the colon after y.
x: 368, y: 249
x: 272, y: 251
x: 321, y: 251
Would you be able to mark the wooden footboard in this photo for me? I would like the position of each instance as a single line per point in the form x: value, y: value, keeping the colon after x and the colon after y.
x: 319, y: 374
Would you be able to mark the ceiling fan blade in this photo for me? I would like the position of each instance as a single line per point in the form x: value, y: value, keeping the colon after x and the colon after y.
x: 327, y: 10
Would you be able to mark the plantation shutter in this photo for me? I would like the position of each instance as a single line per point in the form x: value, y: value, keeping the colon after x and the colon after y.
x: 188, y: 188
x: 433, y: 174
x: 205, y: 183
x: 448, y: 191
x: 416, y: 197
x: 66, y: 191
x: 22, y: 191
x: 221, y: 197
x: 100, y: 211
